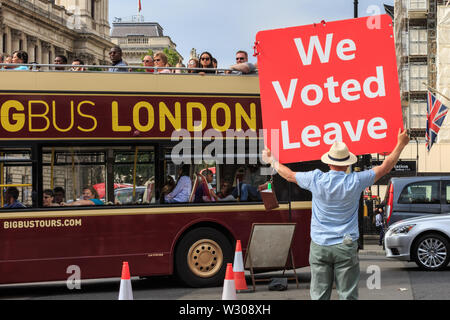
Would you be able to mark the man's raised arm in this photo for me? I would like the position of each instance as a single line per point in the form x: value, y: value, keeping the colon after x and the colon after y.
x: 282, y: 170
x: 391, y: 160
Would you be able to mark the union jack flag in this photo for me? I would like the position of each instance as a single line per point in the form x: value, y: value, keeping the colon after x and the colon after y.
x: 436, y: 113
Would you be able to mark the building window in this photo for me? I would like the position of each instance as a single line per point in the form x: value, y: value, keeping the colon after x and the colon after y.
x: 418, y: 41
x: 93, y: 9
x: 418, y: 4
x: 418, y: 77
x: 418, y: 114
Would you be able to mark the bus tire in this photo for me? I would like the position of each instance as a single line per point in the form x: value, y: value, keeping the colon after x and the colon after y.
x: 201, y: 257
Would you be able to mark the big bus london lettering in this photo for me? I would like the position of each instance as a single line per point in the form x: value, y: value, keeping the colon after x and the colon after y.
x: 120, y: 140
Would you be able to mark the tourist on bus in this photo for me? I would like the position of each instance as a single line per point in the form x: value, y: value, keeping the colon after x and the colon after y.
x: 59, y: 195
x: 242, y: 64
x: 206, y: 61
x: 183, y: 188
x: 60, y: 59
x: 161, y: 61
x: 225, y: 193
x: 20, y: 56
x: 247, y: 189
x: 49, y: 198
x: 115, y: 55
x: 90, y: 198
x: 147, y: 61
x: 11, y: 196
x: 76, y: 63
x: 334, y: 222
x: 202, y: 195
x: 167, y: 188
x: 193, y: 63
x: 7, y: 59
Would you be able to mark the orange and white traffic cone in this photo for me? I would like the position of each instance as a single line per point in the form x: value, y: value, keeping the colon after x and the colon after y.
x: 229, y: 290
x: 125, y: 293
x: 238, y: 269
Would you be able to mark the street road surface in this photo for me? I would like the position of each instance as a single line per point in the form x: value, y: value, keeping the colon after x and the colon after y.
x: 395, y: 281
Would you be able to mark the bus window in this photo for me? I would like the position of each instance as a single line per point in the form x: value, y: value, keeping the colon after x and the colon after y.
x: 74, y: 168
x: 15, y: 174
x: 134, y: 176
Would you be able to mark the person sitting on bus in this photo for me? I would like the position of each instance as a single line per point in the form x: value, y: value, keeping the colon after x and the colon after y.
x: 249, y: 186
x: 225, y: 193
x: 183, y: 188
x: 115, y: 55
x: 161, y: 61
x: 49, y: 198
x: 90, y: 198
x: 76, y: 63
x: 60, y: 59
x: 148, y: 62
x: 206, y: 61
x: 59, y: 195
x: 20, y: 56
x: 193, y: 63
x: 167, y: 188
x: 202, y: 195
x: 11, y: 196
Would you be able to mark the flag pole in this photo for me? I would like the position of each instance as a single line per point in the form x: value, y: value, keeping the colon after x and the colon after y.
x: 434, y: 90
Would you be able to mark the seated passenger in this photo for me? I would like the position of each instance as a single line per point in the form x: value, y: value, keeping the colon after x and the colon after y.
x: 90, y: 198
x: 193, y: 63
x: 167, y: 188
x: 76, y: 63
x: 248, y: 188
x: 242, y: 64
x: 161, y: 61
x: 225, y: 193
x: 20, y: 56
x: 148, y: 62
x: 206, y: 61
x: 61, y: 59
x: 115, y: 55
x: 202, y: 195
x: 183, y: 188
x: 59, y: 195
x: 49, y: 198
x: 11, y: 196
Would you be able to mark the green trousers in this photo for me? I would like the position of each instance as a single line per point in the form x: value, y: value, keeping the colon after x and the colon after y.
x: 338, y: 263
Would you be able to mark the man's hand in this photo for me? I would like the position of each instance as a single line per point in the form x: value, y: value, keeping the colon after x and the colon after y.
x: 267, y: 156
x: 403, y: 137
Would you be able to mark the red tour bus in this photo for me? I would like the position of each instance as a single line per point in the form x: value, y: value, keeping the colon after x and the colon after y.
x: 130, y: 133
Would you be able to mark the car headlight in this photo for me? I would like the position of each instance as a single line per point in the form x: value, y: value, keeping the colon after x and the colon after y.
x: 402, y: 229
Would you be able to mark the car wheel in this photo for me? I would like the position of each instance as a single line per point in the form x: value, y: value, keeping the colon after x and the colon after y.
x: 201, y: 257
x: 432, y: 252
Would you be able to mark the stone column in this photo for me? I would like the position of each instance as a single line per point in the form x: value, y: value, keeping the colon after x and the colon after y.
x: 31, y: 45
x: 16, y: 35
x: 8, y: 44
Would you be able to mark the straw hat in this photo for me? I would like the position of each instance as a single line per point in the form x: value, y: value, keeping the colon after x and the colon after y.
x: 339, y: 155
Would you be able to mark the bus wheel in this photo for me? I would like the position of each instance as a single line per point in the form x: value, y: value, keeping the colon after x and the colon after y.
x: 201, y: 257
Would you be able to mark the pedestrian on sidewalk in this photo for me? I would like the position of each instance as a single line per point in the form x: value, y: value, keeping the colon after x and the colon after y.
x: 379, y: 224
x: 334, y: 221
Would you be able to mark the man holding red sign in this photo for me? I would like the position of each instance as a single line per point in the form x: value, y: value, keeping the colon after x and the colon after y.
x: 334, y: 222
x: 338, y: 87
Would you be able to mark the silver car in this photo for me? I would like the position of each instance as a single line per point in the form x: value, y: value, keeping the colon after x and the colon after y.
x: 424, y: 240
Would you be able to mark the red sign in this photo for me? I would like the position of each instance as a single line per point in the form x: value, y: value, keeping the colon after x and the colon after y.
x: 329, y: 81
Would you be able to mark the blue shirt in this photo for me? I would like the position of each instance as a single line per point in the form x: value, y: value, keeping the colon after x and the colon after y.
x: 21, y: 68
x: 335, y: 203
x: 182, y: 191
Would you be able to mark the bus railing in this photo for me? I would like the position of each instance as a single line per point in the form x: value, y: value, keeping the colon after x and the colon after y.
x: 38, y: 67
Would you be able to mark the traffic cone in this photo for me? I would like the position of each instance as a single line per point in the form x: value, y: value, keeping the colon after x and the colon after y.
x: 229, y: 290
x: 125, y: 293
x: 238, y: 269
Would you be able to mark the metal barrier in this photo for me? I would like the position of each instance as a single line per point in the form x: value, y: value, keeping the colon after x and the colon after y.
x: 37, y: 67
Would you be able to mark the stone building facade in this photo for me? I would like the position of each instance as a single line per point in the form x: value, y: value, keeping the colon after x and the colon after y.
x: 137, y: 37
x: 47, y: 28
